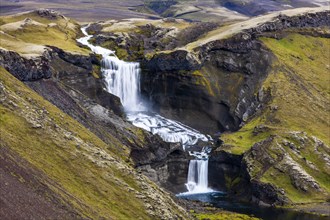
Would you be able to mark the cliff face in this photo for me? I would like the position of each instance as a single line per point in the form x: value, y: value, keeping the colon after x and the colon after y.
x: 213, y: 94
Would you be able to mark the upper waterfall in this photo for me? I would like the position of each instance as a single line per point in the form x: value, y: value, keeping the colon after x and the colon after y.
x: 123, y: 80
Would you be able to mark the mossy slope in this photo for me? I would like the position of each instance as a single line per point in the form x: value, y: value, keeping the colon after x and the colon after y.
x: 85, y: 171
x: 29, y: 33
x: 296, y: 119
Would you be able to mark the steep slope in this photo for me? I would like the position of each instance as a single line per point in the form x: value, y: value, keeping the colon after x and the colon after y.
x: 290, y: 137
x: 75, y: 165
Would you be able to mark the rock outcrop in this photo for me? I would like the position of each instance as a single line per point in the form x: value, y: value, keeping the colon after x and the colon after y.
x: 75, y: 70
x: 25, y: 69
x: 186, y: 86
x: 49, y: 14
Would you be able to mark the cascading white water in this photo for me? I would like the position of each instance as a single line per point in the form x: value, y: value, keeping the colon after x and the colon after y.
x: 123, y: 80
x: 197, y: 181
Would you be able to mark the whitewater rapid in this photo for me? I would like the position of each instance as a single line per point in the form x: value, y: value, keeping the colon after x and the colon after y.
x: 123, y: 80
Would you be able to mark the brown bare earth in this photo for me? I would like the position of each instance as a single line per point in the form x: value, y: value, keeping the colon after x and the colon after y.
x: 84, y: 11
x: 25, y: 192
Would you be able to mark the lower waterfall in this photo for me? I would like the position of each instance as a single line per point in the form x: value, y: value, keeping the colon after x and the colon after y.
x: 123, y: 80
x: 197, y: 176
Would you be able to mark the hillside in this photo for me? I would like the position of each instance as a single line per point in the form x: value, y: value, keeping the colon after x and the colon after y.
x: 287, y: 144
x: 70, y: 165
x: 206, y: 10
x: 28, y: 33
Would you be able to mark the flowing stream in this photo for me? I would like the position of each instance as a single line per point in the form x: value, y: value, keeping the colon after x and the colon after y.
x: 123, y: 80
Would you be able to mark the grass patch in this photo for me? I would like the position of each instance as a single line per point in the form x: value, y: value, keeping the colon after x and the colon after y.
x: 223, y: 216
x: 23, y: 33
x: 283, y: 181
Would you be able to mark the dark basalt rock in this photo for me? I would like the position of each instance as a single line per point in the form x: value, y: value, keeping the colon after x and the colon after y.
x: 81, y: 61
x: 25, y: 69
x: 75, y: 72
x: 49, y: 14
x: 175, y: 61
x: 169, y: 81
x: 283, y: 22
x: 94, y: 28
x: 267, y: 194
x: 71, y: 69
x: 169, y: 171
x: 224, y: 169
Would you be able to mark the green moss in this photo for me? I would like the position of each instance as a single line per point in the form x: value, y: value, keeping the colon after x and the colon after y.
x: 242, y: 140
x: 202, y: 79
x: 301, y: 89
x: 322, y: 174
x: 121, y: 53
x: 223, y: 216
x: 283, y: 181
x: 300, y: 92
x: 299, y: 86
x: 96, y: 71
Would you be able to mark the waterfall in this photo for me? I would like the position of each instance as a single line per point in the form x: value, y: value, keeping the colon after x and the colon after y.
x: 123, y: 80
x: 197, y: 180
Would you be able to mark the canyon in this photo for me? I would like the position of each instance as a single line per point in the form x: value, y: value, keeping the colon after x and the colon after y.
x: 257, y: 86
